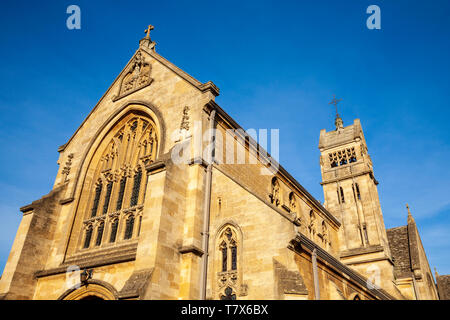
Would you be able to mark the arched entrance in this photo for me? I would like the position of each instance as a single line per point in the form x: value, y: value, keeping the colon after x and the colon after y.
x: 93, y: 290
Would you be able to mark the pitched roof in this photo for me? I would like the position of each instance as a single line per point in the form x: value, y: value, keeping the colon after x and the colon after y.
x: 443, y: 284
x: 399, y: 245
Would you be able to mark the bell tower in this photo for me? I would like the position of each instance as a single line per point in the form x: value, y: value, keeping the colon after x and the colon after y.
x: 350, y: 192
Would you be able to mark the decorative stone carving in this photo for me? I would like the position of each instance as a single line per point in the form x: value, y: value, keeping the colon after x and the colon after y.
x: 66, y: 169
x: 136, y: 77
x: 275, y: 194
x: 184, y: 131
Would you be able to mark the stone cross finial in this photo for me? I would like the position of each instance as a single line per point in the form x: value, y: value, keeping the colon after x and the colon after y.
x: 147, y: 31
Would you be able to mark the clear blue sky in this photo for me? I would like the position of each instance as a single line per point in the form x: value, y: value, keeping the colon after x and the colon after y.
x: 277, y: 63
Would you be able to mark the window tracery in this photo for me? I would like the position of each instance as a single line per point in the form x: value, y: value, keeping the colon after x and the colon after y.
x: 342, y: 157
x: 228, y: 248
x: 115, y: 199
x: 356, y: 192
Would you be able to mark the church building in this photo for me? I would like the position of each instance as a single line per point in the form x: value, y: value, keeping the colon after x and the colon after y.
x: 126, y: 219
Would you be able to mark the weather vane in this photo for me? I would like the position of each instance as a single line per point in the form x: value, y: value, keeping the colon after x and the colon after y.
x: 338, y: 121
x: 335, y: 102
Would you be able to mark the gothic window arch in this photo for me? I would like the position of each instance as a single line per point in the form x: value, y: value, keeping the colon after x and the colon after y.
x: 88, y: 236
x: 116, y: 178
x: 100, y: 229
x: 129, y: 225
x: 356, y: 191
x: 340, y: 193
x: 228, y: 268
x: 114, y: 227
x: 98, y: 192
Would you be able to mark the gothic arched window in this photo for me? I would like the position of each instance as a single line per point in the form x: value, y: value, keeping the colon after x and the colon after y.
x: 98, y: 191
x: 233, y: 255
x: 107, y: 197
x: 227, y: 267
x: 228, y: 248
x: 114, y: 177
x: 358, y: 194
x: 100, y: 229
x: 136, y: 188
x: 224, y: 251
x: 123, y: 183
x: 129, y: 227
x: 88, y: 236
x: 342, y: 195
x: 114, y: 226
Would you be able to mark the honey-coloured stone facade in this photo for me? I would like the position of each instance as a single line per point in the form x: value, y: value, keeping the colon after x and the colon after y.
x: 124, y: 220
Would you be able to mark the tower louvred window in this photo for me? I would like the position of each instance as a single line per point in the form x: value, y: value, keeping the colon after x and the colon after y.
x: 342, y: 157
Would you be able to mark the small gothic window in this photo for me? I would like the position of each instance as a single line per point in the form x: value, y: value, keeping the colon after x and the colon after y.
x: 114, y: 226
x: 356, y: 297
x: 342, y: 195
x: 228, y: 247
x: 107, y: 197
x: 98, y: 191
x: 233, y: 256
x: 136, y: 187
x: 358, y: 194
x: 87, y: 239
x: 99, y: 234
x: 229, y: 295
x: 129, y: 227
x: 123, y: 182
x: 224, y: 250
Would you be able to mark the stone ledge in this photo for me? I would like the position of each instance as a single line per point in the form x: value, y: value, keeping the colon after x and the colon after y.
x: 191, y: 249
x: 87, y: 260
x: 359, y: 251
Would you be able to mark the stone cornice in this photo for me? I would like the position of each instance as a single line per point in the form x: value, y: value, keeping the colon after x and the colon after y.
x: 191, y: 249
x: 110, y: 256
x: 356, y: 174
x: 155, y: 167
x: 203, y: 87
